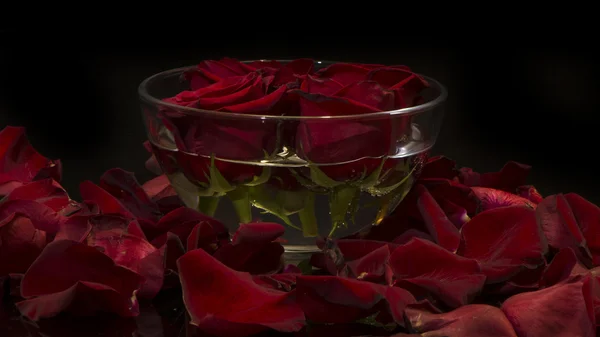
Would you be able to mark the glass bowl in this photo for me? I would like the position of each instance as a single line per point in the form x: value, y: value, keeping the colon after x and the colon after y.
x: 318, y: 175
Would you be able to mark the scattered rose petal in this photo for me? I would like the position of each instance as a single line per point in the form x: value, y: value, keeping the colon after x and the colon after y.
x: 440, y: 227
x: 331, y: 299
x: 560, y: 310
x: 490, y: 198
x: 230, y: 303
x: 474, y: 320
x: 503, y: 240
x: 559, y: 224
x: 454, y: 279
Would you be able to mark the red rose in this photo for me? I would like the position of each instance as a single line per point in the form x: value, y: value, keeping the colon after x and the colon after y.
x: 350, y: 89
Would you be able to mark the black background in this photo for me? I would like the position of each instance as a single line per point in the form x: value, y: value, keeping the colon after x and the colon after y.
x: 533, y: 101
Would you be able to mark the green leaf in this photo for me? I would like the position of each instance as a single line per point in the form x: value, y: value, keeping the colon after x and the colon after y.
x: 261, y: 198
x: 308, y: 218
x: 262, y: 178
x: 373, y: 178
x: 305, y: 267
x: 240, y: 198
x: 208, y: 205
x: 291, y: 201
x: 320, y: 178
x: 340, y: 202
x: 218, y: 183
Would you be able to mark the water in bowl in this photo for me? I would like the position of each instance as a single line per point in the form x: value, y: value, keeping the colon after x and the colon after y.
x: 311, y: 201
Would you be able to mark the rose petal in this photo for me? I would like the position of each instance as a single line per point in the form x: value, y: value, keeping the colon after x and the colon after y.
x: 64, y: 263
x: 323, y: 86
x: 124, y: 187
x: 456, y: 214
x: 373, y: 266
x: 252, y: 249
x: 20, y: 244
x: 41, y: 216
x: 182, y: 221
x: 440, y: 227
x: 83, y: 298
x: 473, y: 320
x: 559, y: 224
x: 225, y: 67
x: 531, y: 193
x: 134, y: 253
x: 331, y: 299
x: 47, y: 192
x: 560, y: 310
x: 224, y: 302
x: 503, y: 240
x: 76, y: 228
x: 369, y: 93
x: 452, y: 278
x: 19, y: 161
x: 563, y: 267
x: 411, y: 233
x: 491, y: 198
x: 509, y: 178
x: 588, y: 219
x: 107, y: 203
x: 344, y: 73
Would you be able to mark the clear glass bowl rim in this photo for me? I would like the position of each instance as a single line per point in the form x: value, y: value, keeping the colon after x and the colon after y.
x: 145, y: 95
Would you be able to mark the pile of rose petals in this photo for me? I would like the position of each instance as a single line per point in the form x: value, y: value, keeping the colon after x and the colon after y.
x: 466, y: 254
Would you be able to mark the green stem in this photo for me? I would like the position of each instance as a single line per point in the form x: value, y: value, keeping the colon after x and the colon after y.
x: 308, y: 218
x: 340, y: 203
x: 208, y: 205
x: 240, y: 198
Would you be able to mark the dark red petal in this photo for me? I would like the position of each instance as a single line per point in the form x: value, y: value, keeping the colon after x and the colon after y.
x: 439, y: 167
x: 134, y: 253
x: 559, y: 224
x: 76, y: 228
x: 252, y: 249
x: 531, y: 193
x: 469, y: 177
x: 19, y: 161
x: 331, y: 299
x: 224, y: 68
x: 509, y: 178
x: 452, y: 278
x: 46, y: 191
x: 491, y: 198
x: 107, y: 203
x: 263, y: 105
x: 323, y: 86
x: 257, y: 233
x: 200, y: 78
x: 344, y: 73
x: 412, y: 233
x: 41, y: 216
x: 64, y: 263
x: 284, y: 281
x: 440, y: 227
x: 229, y: 303
x: 456, y: 214
x: 560, y: 310
x: 369, y: 93
x: 252, y: 90
x: 588, y: 218
x: 20, y: 244
x: 159, y: 188
x: 321, y: 105
x: 83, y: 298
x: 124, y: 186
x: 563, y: 267
x: 474, y: 320
x: 372, y: 266
x: 503, y: 240
x: 454, y: 192
x: 181, y: 221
